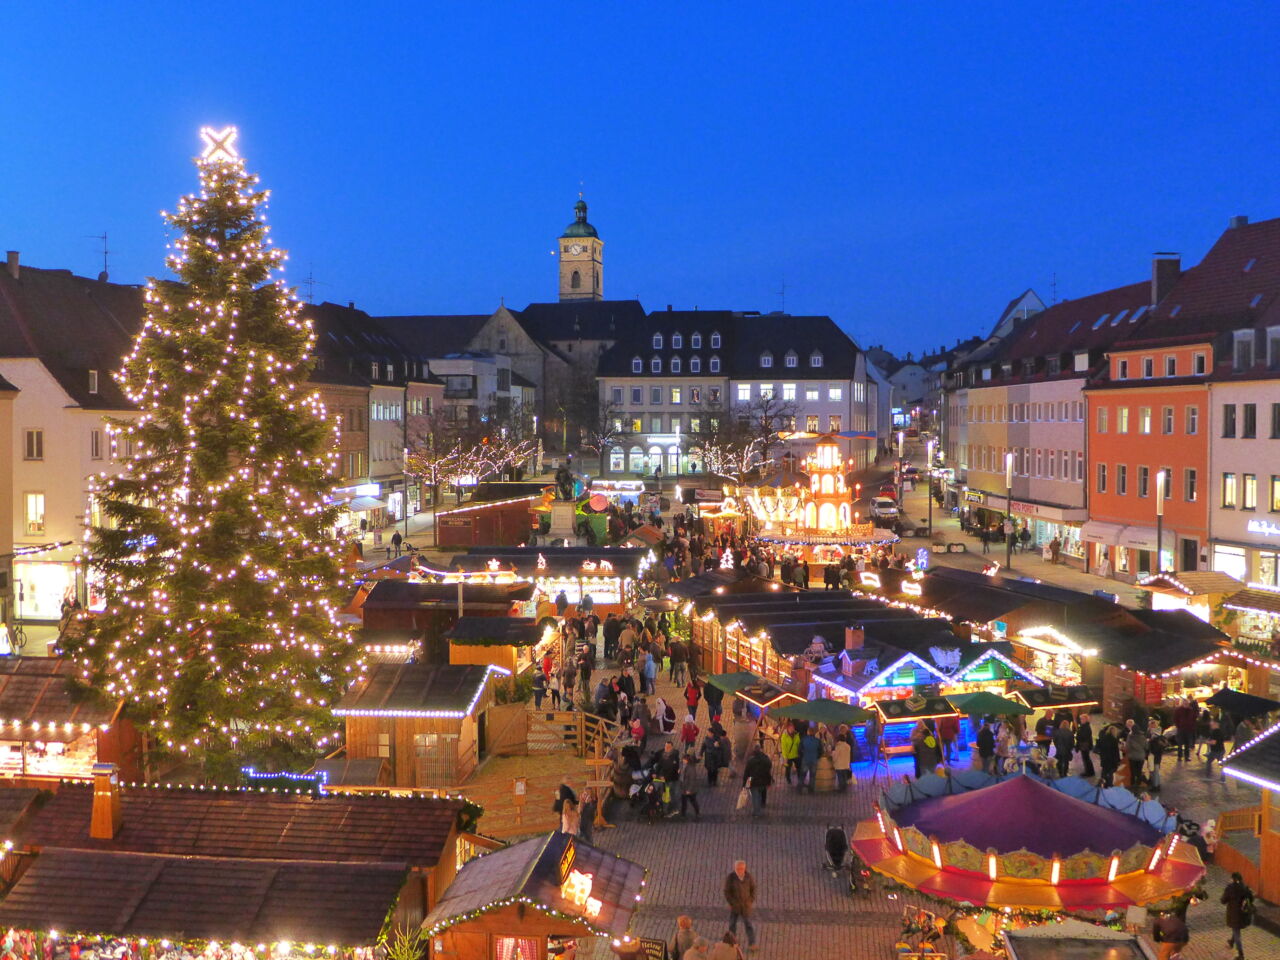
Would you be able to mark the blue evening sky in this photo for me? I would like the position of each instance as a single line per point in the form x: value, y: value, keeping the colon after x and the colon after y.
x: 905, y: 167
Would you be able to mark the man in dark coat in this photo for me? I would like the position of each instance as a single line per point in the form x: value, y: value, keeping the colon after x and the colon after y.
x: 1239, y: 900
x: 1064, y: 741
x: 1108, y: 755
x: 757, y: 774
x: 986, y: 746
x: 1084, y: 743
x: 1184, y: 719
x: 740, y: 895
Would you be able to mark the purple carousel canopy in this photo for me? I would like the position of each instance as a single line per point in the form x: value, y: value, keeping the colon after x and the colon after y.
x: 1022, y: 813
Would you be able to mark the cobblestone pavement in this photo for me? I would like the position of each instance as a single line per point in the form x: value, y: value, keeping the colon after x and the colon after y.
x: 801, y: 910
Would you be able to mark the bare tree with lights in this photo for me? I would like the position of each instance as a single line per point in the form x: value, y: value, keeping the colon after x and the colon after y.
x: 222, y: 581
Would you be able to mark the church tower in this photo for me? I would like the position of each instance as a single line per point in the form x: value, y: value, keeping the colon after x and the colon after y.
x: 581, y: 258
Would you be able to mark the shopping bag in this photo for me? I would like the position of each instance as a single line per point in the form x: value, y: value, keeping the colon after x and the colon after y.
x: 744, y: 798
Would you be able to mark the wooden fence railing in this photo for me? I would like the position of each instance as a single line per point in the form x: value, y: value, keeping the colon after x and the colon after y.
x: 1247, y: 818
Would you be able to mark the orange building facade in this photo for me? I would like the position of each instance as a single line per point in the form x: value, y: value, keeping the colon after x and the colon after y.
x: 1150, y: 413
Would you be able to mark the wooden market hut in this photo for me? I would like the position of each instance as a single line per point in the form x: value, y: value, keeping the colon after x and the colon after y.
x: 517, y: 900
x: 609, y: 574
x: 512, y: 643
x: 231, y: 830
x: 1200, y: 591
x: 429, y: 609
x: 426, y: 720
x: 48, y: 733
x: 1255, y: 851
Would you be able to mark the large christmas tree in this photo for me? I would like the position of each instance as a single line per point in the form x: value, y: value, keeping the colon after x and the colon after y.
x: 221, y: 579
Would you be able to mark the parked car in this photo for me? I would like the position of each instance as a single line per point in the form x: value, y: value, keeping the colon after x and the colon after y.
x: 888, y: 490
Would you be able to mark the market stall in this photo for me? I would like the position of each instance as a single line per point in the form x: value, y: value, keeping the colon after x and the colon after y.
x: 609, y: 574
x: 47, y: 734
x: 521, y: 901
x: 1258, y: 618
x: 512, y: 643
x: 1199, y: 591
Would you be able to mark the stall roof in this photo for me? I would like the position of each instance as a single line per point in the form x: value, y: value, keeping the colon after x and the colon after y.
x: 1242, y: 704
x: 1192, y: 583
x: 36, y: 690
x: 1077, y: 605
x: 976, y: 603
x: 416, y: 689
x: 556, y: 562
x: 1150, y: 641
x: 414, y: 595
x: 531, y: 872
x: 15, y: 806
x: 1254, y: 601
x: 132, y: 894
x: 707, y: 583
x: 1054, y: 695
x: 351, y: 772
x: 1258, y: 761
x: 184, y: 821
x: 915, y: 708
x: 482, y: 631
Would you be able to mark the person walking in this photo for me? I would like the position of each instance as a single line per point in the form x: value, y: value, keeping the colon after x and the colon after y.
x: 1136, y: 748
x: 789, y: 751
x: 688, y: 734
x: 740, y: 895
x: 689, y: 787
x: 948, y: 731
x: 1171, y: 934
x: 842, y: 760
x: 1055, y: 549
x: 539, y: 688
x: 1157, y: 744
x: 1108, y: 754
x: 810, y: 752
x: 1217, y: 741
x: 562, y: 603
x: 986, y: 741
x: 1084, y: 744
x: 757, y: 774
x: 553, y: 687
x: 1239, y: 902
x: 1064, y: 742
x: 715, y: 754
x: 693, y: 695
x: 396, y: 540
x: 985, y: 536
x: 715, y: 701
x: 924, y: 743
x: 587, y: 814
x: 1184, y: 721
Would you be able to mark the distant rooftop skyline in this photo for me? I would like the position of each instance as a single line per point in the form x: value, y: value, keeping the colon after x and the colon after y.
x: 904, y: 170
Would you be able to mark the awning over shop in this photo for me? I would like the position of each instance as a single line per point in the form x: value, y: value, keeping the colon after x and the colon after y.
x: 1144, y: 538
x: 361, y: 504
x: 1096, y: 531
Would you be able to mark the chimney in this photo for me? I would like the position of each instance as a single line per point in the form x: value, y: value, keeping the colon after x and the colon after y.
x: 13, y: 264
x: 854, y: 637
x: 1166, y: 268
x: 351, y: 304
x: 107, y: 812
x: 1239, y: 220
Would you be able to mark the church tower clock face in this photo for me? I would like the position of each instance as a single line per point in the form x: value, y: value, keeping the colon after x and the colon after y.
x: 581, y: 259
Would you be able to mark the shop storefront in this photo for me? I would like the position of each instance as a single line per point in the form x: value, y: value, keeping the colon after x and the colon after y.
x: 361, y: 508
x: 1047, y: 523
x: 41, y: 587
x: 1257, y: 610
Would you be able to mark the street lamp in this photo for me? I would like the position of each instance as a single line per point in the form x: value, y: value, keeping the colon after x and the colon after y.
x: 928, y: 466
x: 1159, y: 521
x: 1008, y: 510
x: 902, y: 436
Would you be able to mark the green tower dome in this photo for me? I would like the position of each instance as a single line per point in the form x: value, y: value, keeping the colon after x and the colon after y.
x: 580, y: 227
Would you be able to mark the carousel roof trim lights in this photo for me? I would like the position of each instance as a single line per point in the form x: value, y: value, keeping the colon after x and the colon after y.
x: 1257, y: 761
x: 1147, y: 869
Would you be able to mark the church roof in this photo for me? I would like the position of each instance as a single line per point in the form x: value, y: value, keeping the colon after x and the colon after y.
x: 580, y: 227
x: 435, y: 336
x: 580, y: 319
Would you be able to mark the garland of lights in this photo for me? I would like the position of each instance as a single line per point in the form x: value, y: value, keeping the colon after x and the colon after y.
x: 222, y: 585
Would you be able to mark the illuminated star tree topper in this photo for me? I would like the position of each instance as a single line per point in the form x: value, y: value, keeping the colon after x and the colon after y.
x: 222, y: 581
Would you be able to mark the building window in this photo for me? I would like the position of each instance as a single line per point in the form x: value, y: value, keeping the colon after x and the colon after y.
x: 1275, y: 494
x: 1122, y: 370
x: 1273, y: 348
x: 1102, y: 478
x: 695, y: 341
x: 95, y: 444
x: 788, y: 391
x: 655, y: 395
x: 655, y: 424
x: 811, y: 394
x: 791, y: 360
x: 833, y: 423
x: 1275, y: 421
x: 615, y: 394
x: 835, y: 392
x: 1189, y: 478
x: 1164, y: 478
x: 1102, y: 419
x: 1144, y: 419
x: 33, y: 448
x: 1122, y: 479
x: 34, y: 513
x: 1198, y: 363
x: 1193, y: 420
x: 1166, y: 420
x: 766, y: 359
x: 637, y: 365
x: 675, y: 394
x: 695, y: 364
x: 637, y: 396
x: 1053, y: 464
x: 1243, y: 355
x: 1148, y: 367
x: 1229, y: 493
x: 677, y: 342
x: 1122, y: 419
x: 1170, y: 366
x: 657, y: 341
x: 811, y: 422
x: 695, y: 394
x: 713, y: 394
x: 637, y: 425
x: 744, y: 393
x: 1228, y: 419
x: 655, y: 365
x: 376, y: 369
x: 1249, y: 426
x: 1249, y: 492
x: 715, y: 365
x: 715, y: 341
x: 766, y: 391
x: 93, y: 381
x: 1144, y: 481
x: 675, y: 364
x: 815, y: 359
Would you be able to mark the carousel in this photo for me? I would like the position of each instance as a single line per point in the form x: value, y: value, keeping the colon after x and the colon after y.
x: 814, y: 512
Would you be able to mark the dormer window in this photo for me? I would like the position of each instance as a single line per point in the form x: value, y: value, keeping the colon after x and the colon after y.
x: 815, y: 358
x: 377, y: 370
x: 677, y: 342
x: 675, y: 363
x: 637, y: 365
x: 791, y: 360
x: 766, y: 359
x: 695, y: 341
x: 655, y: 365
x: 93, y: 381
x: 715, y: 341
x: 695, y: 364
x: 657, y: 341
x: 714, y: 363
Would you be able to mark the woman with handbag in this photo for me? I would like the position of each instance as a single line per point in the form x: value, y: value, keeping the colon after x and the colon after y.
x: 1239, y: 901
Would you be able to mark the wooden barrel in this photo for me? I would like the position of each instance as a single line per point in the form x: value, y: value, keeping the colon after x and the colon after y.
x: 824, y: 778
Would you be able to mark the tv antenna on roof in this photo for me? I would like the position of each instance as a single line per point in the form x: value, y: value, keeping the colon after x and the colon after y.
x: 782, y: 296
x: 310, y: 283
x: 1053, y: 289
x: 106, y: 252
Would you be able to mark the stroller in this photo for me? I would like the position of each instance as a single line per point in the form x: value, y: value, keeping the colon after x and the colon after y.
x: 837, y: 856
